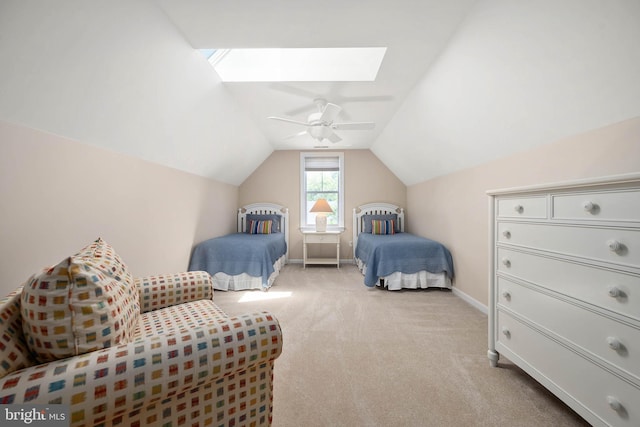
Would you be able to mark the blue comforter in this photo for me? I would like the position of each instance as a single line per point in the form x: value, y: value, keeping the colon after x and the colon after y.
x: 239, y: 253
x: 404, y: 252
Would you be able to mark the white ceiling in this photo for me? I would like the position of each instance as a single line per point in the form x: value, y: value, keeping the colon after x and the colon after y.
x: 414, y: 33
x: 463, y: 82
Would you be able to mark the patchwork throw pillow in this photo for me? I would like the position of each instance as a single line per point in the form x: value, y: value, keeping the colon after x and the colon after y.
x: 14, y: 352
x: 260, y: 227
x: 86, y: 302
x: 383, y: 226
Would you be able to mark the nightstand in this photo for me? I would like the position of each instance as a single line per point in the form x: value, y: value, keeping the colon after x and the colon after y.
x: 321, y: 237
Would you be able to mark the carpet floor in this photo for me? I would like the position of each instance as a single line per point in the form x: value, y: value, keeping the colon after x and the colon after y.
x: 355, y: 356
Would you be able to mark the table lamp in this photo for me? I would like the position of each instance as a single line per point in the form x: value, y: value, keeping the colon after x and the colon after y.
x: 321, y: 208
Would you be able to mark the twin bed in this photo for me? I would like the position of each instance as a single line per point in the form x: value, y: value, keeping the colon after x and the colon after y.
x: 387, y: 256
x: 252, y: 257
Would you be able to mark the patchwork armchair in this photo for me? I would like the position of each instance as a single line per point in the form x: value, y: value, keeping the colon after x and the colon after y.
x: 131, y: 351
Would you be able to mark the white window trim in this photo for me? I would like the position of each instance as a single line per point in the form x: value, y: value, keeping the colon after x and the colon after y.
x: 303, y: 186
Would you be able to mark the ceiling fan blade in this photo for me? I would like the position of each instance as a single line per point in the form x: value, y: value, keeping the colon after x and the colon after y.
x: 333, y: 137
x: 290, y: 121
x: 299, y: 110
x: 295, y: 135
x: 330, y: 113
x: 354, y: 126
x: 372, y: 98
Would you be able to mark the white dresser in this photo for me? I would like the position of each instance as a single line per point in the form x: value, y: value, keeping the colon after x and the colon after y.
x: 564, y: 297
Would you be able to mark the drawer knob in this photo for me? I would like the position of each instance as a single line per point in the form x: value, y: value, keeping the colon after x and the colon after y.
x: 506, y: 332
x: 507, y: 234
x: 614, y: 343
x: 506, y: 295
x: 614, y: 291
x: 614, y: 404
x: 614, y: 245
x: 506, y: 262
x: 589, y: 206
x: 518, y: 208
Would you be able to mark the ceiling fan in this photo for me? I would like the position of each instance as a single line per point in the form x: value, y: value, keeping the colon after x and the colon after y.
x: 321, y: 125
x: 329, y: 90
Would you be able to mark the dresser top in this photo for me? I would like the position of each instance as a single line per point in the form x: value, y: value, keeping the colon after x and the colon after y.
x: 627, y: 180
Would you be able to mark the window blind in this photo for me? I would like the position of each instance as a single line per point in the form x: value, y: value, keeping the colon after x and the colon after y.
x: 322, y: 164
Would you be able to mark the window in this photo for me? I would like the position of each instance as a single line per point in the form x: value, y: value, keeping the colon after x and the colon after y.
x: 322, y: 177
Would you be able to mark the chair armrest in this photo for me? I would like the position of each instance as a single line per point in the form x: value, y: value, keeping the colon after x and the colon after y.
x: 132, y: 376
x: 165, y: 290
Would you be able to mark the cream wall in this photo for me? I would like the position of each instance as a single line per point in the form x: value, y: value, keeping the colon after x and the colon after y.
x: 58, y: 195
x: 454, y: 208
x: 277, y: 180
x: 120, y: 75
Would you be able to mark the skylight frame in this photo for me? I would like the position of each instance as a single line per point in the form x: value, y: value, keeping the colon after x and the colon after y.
x: 297, y: 64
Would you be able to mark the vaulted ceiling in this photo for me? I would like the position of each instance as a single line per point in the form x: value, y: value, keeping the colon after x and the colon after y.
x: 462, y: 82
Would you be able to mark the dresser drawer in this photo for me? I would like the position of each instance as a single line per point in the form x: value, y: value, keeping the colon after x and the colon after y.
x: 609, y: 289
x: 612, y: 245
x: 599, y: 396
x: 524, y: 207
x: 322, y: 238
x: 615, y: 342
x: 606, y: 206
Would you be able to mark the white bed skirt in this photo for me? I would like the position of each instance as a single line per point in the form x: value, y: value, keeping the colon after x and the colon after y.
x: 420, y: 280
x: 242, y: 282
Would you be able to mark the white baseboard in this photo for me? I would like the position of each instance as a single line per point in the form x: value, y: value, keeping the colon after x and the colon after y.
x: 471, y: 301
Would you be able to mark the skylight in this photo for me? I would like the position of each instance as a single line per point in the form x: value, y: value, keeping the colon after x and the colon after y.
x: 296, y: 64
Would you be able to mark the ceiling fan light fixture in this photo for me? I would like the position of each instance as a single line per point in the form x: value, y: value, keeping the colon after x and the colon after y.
x: 320, y: 125
x: 319, y: 132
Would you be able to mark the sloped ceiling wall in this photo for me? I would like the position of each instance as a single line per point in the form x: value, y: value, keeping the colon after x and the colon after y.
x: 120, y: 75
x: 518, y: 74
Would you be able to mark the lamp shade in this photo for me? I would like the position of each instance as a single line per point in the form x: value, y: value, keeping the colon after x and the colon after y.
x: 321, y: 206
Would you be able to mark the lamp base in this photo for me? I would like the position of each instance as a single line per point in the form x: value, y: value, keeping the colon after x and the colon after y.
x: 321, y: 223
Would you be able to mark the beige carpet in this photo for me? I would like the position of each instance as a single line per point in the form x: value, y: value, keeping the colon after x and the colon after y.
x: 355, y: 356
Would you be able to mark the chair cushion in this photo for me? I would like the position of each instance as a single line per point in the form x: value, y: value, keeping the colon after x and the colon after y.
x: 86, y: 302
x: 180, y: 318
